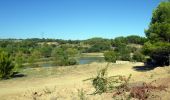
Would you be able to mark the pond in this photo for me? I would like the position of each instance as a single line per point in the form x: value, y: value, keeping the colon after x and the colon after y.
x: 81, y: 60
x: 88, y: 60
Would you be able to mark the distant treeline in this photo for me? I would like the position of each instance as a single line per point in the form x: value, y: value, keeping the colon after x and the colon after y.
x: 90, y: 45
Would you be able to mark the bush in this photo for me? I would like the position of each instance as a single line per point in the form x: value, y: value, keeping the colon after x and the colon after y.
x: 110, y: 56
x: 72, y: 61
x: 6, y: 65
x: 123, y: 52
x: 139, y: 57
x: 102, y: 83
x: 62, y: 58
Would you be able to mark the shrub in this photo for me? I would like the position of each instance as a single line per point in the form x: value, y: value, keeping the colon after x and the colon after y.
x: 62, y: 58
x: 102, y: 83
x: 110, y: 56
x: 72, y: 61
x: 123, y: 52
x: 6, y: 65
x: 138, y: 57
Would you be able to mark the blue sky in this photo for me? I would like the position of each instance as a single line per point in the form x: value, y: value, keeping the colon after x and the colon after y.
x: 74, y: 19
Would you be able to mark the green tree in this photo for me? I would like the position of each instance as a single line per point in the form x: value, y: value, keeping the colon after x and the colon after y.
x: 158, y: 33
x: 118, y: 41
x: 6, y: 65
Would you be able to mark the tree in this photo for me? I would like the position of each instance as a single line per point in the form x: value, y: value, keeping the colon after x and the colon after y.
x: 6, y: 65
x: 158, y: 33
x: 119, y: 41
x: 136, y: 39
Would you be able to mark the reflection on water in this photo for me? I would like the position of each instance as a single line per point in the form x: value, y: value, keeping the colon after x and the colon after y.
x: 81, y: 60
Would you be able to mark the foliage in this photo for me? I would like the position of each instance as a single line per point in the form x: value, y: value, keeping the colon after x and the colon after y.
x: 123, y: 52
x: 31, y: 60
x: 99, y: 47
x: 72, y: 61
x: 102, y: 83
x: 72, y: 52
x: 19, y: 60
x: 118, y: 41
x: 97, y: 44
x: 33, y: 50
x: 158, y: 47
x: 132, y: 39
x: 62, y: 58
x: 138, y: 56
x: 110, y: 56
x: 96, y: 40
x: 6, y: 65
x: 46, y: 50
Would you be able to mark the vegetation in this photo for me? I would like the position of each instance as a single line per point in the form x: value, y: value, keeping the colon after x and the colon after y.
x: 132, y: 39
x: 110, y: 56
x: 6, y: 65
x: 102, y: 83
x: 62, y: 57
x: 138, y: 56
x: 158, y: 34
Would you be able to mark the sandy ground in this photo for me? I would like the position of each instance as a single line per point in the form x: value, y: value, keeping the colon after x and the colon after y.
x: 63, y: 83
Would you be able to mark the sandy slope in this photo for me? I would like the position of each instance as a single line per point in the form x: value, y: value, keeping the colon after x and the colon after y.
x: 64, y: 86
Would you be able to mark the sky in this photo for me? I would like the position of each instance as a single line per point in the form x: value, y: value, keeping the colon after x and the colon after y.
x: 74, y: 19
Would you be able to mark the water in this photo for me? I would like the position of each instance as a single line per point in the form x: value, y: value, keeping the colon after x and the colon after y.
x: 88, y: 60
x: 81, y: 60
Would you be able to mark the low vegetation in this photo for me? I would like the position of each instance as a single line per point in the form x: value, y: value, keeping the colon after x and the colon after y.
x: 121, y: 87
x: 6, y: 65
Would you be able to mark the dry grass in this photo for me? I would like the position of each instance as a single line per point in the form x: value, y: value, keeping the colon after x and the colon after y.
x: 63, y: 83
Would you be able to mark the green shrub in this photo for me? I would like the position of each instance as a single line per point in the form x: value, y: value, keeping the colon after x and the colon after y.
x: 139, y: 57
x: 110, y: 56
x: 62, y: 58
x: 6, y: 65
x: 102, y: 83
x: 72, y: 61
x: 123, y: 52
